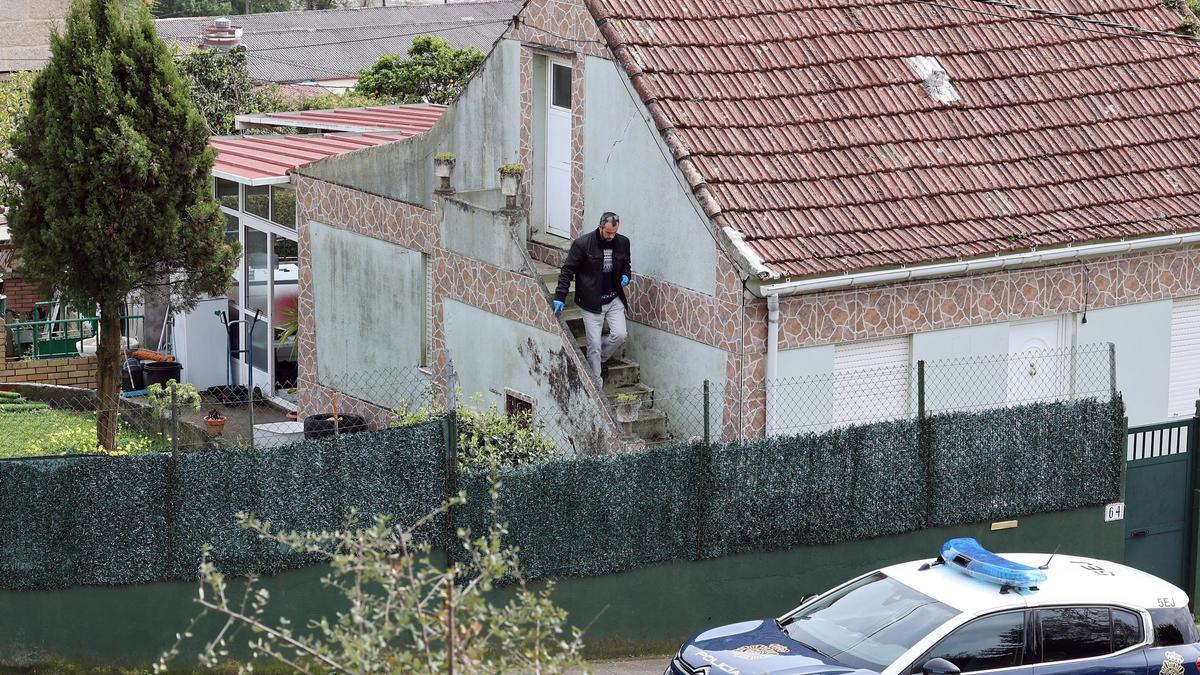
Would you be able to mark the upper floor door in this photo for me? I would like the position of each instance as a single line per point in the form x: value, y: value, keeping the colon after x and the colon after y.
x: 558, y: 150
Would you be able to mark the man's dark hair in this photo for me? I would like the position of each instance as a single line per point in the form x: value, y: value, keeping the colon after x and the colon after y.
x: 610, y: 217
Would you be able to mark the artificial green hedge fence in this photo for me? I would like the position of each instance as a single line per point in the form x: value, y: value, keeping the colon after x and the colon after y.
x: 101, y: 520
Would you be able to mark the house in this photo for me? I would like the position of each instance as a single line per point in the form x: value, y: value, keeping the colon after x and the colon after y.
x: 252, y: 177
x: 328, y: 48
x: 835, y: 189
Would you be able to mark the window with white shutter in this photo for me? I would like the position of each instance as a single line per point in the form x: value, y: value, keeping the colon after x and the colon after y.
x: 1184, y: 387
x: 872, y: 380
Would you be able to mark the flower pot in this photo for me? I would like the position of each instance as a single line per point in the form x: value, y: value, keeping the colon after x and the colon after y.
x: 509, y: 183
x: 443, y: 167
x: 214, y: 426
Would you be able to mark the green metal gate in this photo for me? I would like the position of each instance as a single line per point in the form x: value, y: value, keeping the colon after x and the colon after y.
x: 1160, y: 502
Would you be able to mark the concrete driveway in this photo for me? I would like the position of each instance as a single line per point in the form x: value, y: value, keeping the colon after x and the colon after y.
x: 643, y: 666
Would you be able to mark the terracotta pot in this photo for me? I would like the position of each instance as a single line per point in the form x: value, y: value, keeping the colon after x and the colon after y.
x: 214, y: 427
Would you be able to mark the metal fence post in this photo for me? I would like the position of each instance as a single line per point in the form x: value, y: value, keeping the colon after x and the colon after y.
x: 1112, y: 370
x: 707, y: 435
x: 174, y: 417
x: 450, y: 429
x: 925, y: 442
x: 921, y: 389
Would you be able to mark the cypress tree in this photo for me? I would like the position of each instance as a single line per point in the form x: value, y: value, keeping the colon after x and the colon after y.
x: 111, y: 168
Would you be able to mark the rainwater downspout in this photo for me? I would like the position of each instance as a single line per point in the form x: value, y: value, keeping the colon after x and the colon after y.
x: 772, y: 358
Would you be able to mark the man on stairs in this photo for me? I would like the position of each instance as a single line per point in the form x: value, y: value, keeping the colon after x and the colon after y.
x: 599, y: 263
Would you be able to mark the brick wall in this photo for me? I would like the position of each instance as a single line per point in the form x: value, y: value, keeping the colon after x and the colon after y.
x: 79, y: 372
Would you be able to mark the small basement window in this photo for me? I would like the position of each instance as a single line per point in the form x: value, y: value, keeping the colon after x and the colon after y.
x: 520, y: 406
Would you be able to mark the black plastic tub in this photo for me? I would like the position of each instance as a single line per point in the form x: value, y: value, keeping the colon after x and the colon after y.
x: 158, y: 372
x: 321, y: 426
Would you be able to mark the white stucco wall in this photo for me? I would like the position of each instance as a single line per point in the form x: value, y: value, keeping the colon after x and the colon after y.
x: 676, y: 367
x: 482, y: 128
x: 626, y: 172
x: 949, y: 387
x: 369, y: 299
x: 491, y: 353
x: 1142, y: 336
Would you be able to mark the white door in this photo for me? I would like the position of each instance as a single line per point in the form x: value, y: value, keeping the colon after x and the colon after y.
x: 558, y: 151
x: 1038, y: 368
x: 871, y: 381
x: 1185, y: 358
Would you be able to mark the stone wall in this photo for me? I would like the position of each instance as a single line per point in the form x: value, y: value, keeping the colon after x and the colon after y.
x: 25, y: 27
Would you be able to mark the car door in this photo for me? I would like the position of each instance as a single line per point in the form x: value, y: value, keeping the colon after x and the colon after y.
x: 1089, y: 640
x: 1174, y: 650
x: 995, y: 642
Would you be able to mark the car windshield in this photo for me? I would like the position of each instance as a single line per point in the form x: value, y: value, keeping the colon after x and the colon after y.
x: 869, y: 623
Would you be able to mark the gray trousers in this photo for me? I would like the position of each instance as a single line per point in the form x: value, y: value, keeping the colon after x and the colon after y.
x: 602, y: 350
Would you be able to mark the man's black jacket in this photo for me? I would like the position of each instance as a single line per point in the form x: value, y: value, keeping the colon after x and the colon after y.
x: 585, y: 264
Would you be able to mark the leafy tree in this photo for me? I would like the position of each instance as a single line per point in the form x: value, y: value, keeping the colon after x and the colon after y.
x: 407, y: 613
x: 220, y: 86
x: 111, y: 169
x: 174, y: 8
x: 434, y: 72
x: 14, y: 102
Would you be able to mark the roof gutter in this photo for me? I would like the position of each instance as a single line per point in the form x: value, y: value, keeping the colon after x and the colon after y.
x: 977, y: 266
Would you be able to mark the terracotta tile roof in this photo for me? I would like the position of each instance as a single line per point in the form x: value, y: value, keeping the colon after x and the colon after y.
x: 818, y: 141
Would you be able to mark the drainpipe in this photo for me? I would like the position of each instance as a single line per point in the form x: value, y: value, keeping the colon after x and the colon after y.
x: 772, y: 359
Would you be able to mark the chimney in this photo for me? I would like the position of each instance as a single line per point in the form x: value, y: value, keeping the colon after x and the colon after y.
x: 221, y: 34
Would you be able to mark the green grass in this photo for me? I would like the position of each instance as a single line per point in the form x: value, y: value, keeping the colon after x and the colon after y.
x: 44, y: 433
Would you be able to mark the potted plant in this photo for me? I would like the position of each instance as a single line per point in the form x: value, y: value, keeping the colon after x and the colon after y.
x: 628, y: 407
x: 510, y: 181
x: 214, y: 422
x: 443, y: 164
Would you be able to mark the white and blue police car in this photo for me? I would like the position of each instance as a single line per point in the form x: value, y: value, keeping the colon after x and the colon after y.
x: 967, y: 611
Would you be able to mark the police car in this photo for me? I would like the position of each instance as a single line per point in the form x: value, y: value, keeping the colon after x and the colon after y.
x: 967, y: 611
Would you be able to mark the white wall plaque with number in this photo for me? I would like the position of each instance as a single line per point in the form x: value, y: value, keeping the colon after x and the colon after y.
x: 1114, y: 511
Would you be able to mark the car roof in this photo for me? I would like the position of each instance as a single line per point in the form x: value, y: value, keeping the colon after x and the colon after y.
x: 1070, y: 580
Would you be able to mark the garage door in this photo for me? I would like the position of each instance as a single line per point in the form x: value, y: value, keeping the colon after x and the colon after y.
x: 1185, y: 358
x: 871, y: 380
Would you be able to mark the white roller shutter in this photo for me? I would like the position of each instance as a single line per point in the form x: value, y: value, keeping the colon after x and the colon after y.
x: 872, y: 380
x: 1185, y: 358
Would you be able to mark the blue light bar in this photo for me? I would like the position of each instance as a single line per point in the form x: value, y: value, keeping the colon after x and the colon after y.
x: 967, y: 556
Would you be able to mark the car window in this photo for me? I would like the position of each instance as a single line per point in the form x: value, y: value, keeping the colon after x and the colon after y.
x: 1075, y: 633
x: 1127, y: 629
x: 869, y: 623
x: 995, y: 641
x: 1172, y: 627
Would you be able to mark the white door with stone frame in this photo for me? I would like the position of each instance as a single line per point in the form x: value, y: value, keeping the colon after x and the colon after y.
x: 558, y: 149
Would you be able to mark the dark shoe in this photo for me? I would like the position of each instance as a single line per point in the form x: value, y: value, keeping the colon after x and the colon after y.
x: 604, y: 369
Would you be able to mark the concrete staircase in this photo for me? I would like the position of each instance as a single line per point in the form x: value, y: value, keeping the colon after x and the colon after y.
x: 624, y: 375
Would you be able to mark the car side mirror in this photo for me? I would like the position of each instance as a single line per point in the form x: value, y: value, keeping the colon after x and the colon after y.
x: 939, y: 667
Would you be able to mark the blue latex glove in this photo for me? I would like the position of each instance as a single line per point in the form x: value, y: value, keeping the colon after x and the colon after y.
x: 558, y: 307
x: 624, y: 281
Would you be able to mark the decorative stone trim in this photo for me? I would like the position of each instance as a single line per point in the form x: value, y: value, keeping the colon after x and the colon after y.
x: 903, y: 309
x: 559, y: 25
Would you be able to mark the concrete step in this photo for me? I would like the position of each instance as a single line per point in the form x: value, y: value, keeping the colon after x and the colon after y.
x: 644, y: 393
x: 650, y: 425
x: 621, y: 373
x: 581, y: 342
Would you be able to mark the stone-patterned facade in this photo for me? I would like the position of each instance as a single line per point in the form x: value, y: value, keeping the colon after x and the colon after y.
x: 514, y: 296
x: 917, y: 307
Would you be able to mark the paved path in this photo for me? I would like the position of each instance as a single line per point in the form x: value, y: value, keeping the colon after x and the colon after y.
x: 643, y: 666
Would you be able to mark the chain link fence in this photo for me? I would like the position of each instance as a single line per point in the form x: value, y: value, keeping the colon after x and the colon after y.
x: 924, y: 388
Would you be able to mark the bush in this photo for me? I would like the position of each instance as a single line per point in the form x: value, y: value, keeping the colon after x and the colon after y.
x: 489, y: 439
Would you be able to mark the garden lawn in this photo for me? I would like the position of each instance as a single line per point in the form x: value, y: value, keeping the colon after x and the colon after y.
x: 42, y: 433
